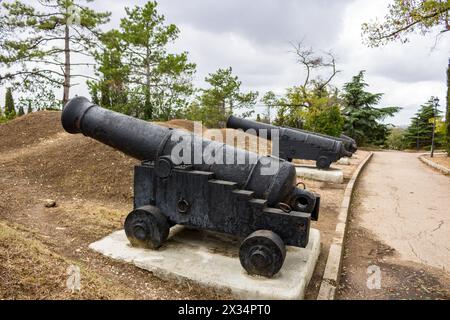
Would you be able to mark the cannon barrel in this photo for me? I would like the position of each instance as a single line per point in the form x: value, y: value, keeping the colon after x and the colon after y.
x: 146, y: 141
x: 349, y: 143
x: 315, y: 141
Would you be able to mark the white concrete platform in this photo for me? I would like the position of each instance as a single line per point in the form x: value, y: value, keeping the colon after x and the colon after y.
x: 211, y: 260
x: 311, y: 172
x: 344, y: 161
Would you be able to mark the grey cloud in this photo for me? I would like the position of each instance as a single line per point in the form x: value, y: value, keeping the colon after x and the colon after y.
x: 264, y: 22
x: 410, y: 68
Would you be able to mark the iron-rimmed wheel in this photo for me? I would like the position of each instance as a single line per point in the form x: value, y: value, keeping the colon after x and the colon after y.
x: 323, y: 163
x: 147, y: 227
x: 262, y: 253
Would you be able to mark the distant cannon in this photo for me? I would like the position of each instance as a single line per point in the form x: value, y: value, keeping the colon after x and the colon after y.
x: 349, y: 143
x: 257, y: 200
x: 296, y: 144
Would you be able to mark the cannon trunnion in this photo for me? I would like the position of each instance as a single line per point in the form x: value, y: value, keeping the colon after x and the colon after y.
x: 265, y: 210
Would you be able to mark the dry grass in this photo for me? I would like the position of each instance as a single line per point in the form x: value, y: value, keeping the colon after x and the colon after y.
x: 39, y: 126
x: 443, y: 160
x: 29, y: 270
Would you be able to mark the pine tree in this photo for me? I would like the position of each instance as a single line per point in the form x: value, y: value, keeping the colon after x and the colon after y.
x: 419, y: 132
x: 362, y: 119
x: 161, y: 80
x: 224, y: 96
x: 30, y: 109
x: 111, y: 90
x: 46, y: 34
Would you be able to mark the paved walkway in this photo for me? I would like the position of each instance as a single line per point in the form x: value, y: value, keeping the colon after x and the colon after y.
x: 407, y: 205
x: 398, y: 239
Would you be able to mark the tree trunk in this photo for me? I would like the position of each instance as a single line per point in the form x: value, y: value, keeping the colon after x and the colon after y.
x: 66, y: 65
x: 148, y: 110
x: 223, y: 108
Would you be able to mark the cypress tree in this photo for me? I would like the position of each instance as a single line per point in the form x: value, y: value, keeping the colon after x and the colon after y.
x: 10, y: 110
x: 21, y: 111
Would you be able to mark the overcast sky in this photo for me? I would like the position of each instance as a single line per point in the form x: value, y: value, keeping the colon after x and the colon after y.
x: 253, y: 36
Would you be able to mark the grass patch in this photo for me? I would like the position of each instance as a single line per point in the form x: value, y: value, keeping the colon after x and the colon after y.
x: 29, y: 270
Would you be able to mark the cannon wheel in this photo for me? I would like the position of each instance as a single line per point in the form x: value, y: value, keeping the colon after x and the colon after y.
x: 323, y: 163
x: 262, y: 253
x: 147, y: 227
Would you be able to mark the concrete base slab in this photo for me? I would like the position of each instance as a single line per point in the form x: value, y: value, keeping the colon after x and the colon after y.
x: 344, y: 161
x: 331, y: 175
x: 211, y: 260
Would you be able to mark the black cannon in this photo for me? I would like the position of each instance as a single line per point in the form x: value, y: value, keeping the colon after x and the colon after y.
x: 256, y: 199
x: 349, y: 143
x: 296, y: 144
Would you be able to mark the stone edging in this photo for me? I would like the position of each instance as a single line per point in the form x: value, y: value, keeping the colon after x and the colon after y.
x: 434, y: 165
x: 330, y: 279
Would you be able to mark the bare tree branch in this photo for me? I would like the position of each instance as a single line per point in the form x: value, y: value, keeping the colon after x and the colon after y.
x: 331, y: 64
x: 312, y: 61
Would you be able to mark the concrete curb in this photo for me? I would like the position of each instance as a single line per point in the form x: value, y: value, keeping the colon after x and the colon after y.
x: 434, y: 165
x: 331, y: 275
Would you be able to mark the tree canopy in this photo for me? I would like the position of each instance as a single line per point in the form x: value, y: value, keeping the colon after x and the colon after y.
x: 363, y: 121
x: 313, y: 105
x: 223, y: 97
x: 420, y: 131
x: 138, y: 75
x: 44, y: 42
x: 406, y: 17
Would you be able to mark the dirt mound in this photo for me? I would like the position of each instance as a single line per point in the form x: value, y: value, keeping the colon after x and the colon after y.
x: 36, y: 147
x: 187, y: 125
x: 236, y: 138
x: 80, y: 167
x: 29, y: 129
x: 240, y: 139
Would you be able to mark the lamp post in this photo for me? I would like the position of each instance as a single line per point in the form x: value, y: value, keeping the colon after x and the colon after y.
x: 435, y: 105
x: 417, y: 133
